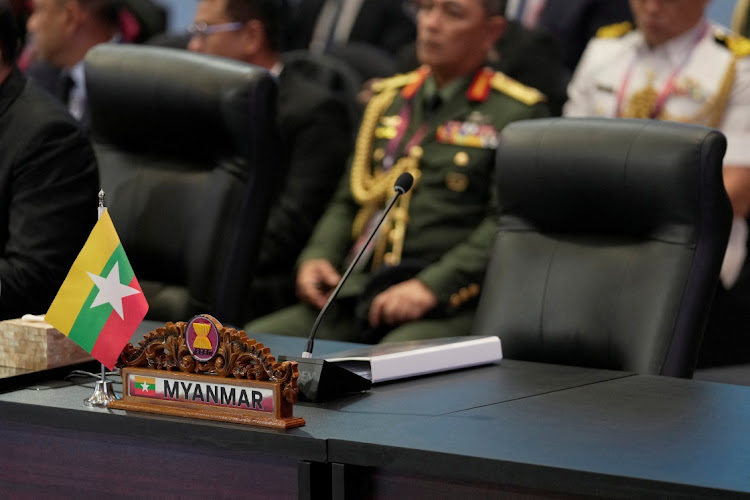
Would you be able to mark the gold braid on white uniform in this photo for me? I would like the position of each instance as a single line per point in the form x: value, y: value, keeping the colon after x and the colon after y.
x: 641, y: 104
x: 711, y: 112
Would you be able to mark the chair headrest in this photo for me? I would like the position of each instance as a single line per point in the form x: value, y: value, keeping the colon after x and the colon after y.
x: 327, y: 70
x: 597, y: 175
x: 148, y: 98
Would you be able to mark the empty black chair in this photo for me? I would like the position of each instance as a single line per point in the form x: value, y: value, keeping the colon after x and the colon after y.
x: 612, y: 234
x: 187, y: 147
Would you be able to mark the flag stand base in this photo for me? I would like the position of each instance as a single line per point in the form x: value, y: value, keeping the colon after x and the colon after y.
x: 103, y: 394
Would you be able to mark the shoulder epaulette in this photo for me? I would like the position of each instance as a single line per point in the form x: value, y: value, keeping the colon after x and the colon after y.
x: 615, y: 30
x: 395, y: 82
x: 737, y: 45
x: 517, y: 90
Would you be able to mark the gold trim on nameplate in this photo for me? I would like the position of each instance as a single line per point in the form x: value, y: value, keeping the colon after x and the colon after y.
x: 201, y: 369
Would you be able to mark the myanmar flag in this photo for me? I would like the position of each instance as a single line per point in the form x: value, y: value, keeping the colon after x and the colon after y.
x: 144, y: 386
x: 100, y: 304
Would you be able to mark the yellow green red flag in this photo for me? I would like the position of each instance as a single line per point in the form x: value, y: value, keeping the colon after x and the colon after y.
x: 144, y: 386
x: 100, y: 304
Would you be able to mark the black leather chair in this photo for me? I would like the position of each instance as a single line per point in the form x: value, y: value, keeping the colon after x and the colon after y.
x: 187, y: 151
x: 612, y: 234
x: 330, y: 72
x: 369, y: 61
x: 171, y: 40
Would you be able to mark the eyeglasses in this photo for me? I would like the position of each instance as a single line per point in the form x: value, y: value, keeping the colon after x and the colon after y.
x: 203, y: 29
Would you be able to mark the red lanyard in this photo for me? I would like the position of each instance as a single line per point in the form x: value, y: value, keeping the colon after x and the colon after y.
x: 661, y: 98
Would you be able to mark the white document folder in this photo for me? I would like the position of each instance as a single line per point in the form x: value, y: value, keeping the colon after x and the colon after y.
x: 383, y: 362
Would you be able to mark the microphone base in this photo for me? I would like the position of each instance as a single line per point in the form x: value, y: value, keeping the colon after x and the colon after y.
x: 320, y: 380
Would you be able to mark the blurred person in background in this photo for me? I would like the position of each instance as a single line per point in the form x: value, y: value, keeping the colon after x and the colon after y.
x: 314, y: 123
x: 572, y: 23
x: 421, y: 277
x: 320, y: 25
x: 63, y: 31
x: 48, y: 186
x: 676, y: 65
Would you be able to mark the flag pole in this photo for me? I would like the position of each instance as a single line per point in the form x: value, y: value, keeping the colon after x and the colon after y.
x: 103, y: 391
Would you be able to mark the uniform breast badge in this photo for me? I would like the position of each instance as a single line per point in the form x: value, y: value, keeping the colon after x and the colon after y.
x: 693, y: 89
x: 469, y: 134
x: 204, y: 370
x: 641, y: 103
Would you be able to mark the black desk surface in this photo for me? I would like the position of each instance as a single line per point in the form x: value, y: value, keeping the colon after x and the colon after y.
x: 636, y: 435
x: 526, y: 425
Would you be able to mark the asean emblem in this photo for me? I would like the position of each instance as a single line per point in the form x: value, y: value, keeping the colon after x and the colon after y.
x: 202, y: 338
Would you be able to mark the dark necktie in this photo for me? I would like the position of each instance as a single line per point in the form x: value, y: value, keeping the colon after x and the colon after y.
x: 431, y: 105
x: 66, y: 87
x: 325, y: 26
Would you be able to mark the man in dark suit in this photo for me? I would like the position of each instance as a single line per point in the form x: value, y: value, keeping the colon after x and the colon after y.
x: 63, y: 32
x: 533, y: 57
x: 574, y: 22
x: 315, y: 126
x: 48, y: 186
x: 317, y: 24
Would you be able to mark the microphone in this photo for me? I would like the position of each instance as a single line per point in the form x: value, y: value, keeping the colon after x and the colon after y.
x: 402, y: 185
x: 320, y: 379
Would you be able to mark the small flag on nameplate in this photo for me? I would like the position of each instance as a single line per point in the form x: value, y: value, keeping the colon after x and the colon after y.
x: 100, y: 304
x: 144, y: 386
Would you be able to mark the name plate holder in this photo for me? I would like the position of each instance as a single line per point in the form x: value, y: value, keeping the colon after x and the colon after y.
x: 201, y: 369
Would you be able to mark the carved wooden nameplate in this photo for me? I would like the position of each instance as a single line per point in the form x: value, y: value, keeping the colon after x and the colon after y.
x: 203, y: 370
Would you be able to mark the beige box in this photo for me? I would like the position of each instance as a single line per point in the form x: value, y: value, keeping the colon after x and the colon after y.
x: 35, y: 345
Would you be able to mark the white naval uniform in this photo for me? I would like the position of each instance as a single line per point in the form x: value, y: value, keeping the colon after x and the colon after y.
x: 612, y: 69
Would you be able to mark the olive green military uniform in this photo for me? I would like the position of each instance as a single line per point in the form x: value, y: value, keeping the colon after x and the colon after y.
x: 440, y: 232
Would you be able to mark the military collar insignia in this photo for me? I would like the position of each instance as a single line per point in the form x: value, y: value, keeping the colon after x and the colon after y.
x: 411, y: 89
x: 479, y: 89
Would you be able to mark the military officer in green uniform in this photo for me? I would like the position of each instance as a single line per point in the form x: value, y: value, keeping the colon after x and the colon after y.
x: 422, y: 276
